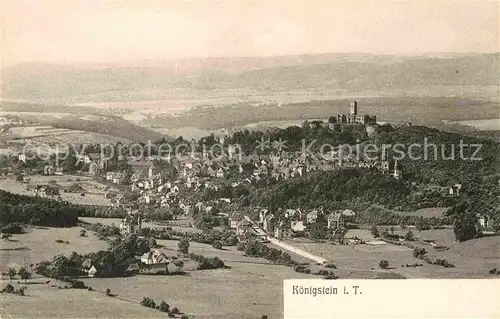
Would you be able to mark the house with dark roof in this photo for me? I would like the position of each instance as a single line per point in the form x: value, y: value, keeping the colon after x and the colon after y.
x: 335, y: 220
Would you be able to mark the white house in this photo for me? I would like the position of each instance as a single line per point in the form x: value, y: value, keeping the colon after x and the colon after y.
x: 92, y: 271
x: 154, y: 257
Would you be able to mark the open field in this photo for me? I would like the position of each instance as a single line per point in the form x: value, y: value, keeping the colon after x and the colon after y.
x: 251, y: 287
x: 426, y: 212
x: 43, y: 301
x: 94, y: 191
x: 50, y: 135
x: 484, y: 125
x: 38, y: 244
x: 473, y: 259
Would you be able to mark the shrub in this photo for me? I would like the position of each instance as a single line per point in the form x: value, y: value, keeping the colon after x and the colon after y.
x: 171, y: 315
x: 6, y: 236
x: 217, y: 244
x: 331, y: 266
x: 384, y: 264
x: 8, y: 289
x: 493, y: 271
x: 330, y: 276
x: 241, y: 246
x: 163, y: 306
x: 409, y: 236
x: 184, y: 317
x: 60, y: 241
x: 175, y: 310
x: 108, y: 291
x: 21, y: 291
x: 374, y: 231
x: 83, y: 233
x: 12, y: 228
x: 264, y: 317
x: 419, y: 252
x: 148, y: 302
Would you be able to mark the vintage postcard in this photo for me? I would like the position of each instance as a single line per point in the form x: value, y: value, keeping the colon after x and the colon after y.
x: 249, y: 159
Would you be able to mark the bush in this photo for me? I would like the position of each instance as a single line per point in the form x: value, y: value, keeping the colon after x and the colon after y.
x: 217, y: 244
x: 374, y: 231
x: 175, y: 310
x: 60, y: 241
x: 384, y: 264
x: 331, y: 266
x: 409, y: 236
x: 148, y: 302
x: 419, y: 252
x: 493, y: 271
x: 6, y: 236
x: 83, y: 233
x: 8, y: 289
x: 184, y: 317
x: 330, y: 276
x: 163, y: 306
x: 12, y: 228
x: 171, y: 315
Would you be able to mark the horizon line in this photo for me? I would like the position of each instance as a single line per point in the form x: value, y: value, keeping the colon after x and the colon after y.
x: 173, y: 59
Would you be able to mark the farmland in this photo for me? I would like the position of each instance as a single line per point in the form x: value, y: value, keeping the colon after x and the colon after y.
x: 48, y: 135
x: 94, y: 191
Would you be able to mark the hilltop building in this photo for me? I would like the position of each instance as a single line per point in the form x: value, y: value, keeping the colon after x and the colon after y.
x: 353, y: 117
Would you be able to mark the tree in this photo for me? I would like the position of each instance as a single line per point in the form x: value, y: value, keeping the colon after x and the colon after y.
x: 409, y: 236
x: 183, y: 246
x: 464, y: 222
x: 464, y: 228
x: 383, y: 264
x: 11, y: 273
x: 152, y: 242
x: 24, y: 274
x: 374, y: 231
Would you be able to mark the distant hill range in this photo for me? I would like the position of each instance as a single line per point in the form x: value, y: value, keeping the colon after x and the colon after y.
x: 150, y: 80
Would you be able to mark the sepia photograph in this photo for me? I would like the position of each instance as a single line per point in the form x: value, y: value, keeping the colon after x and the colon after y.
x: 249, y: 159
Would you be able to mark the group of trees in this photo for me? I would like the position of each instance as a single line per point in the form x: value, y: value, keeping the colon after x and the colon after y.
x: 330, y: 189
x: 207, y: 263
x: 109, y: 263
x: 254, y: 248
x: 39, y: 211
x: 22, y: 273
x: 444, y: 165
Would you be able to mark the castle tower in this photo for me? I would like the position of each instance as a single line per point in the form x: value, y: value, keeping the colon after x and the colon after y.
x: 354, y: 108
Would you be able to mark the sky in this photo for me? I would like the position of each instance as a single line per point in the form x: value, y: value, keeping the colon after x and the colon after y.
x: 136, y: 30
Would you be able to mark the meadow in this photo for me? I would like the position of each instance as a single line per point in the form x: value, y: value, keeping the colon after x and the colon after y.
x: 94, y: 191
x: 250, y: 288
x: 473, y: 259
